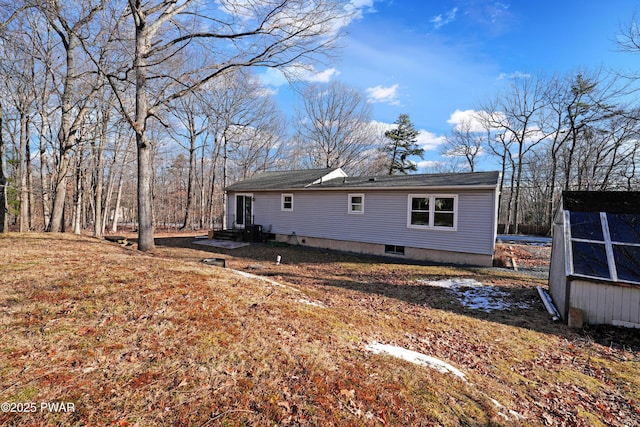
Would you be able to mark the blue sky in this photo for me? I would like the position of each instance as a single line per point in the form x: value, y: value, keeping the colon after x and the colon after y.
x: 430, y: 58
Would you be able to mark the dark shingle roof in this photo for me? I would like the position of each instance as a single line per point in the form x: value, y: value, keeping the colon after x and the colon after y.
x: 489, y: 179
x: 289, y: 180
x: 279, y: 180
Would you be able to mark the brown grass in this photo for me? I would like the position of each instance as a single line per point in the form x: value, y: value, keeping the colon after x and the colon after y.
x: 161, y: 339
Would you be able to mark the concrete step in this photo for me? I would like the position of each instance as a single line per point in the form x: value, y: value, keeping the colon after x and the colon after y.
x: 233, y: 235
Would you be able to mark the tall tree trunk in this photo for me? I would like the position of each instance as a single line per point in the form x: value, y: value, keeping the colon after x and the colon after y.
x: 116, y: 210
x: 66, y: 137
x: 30, y: 203
x: 224, y: 185
x: 507, y: 228
x: 24, y: 190
x: 60, y: 192
x: 516, y: 202
x: 145, y: 190
x: 99, y: 174
x: 190, y: 183
x: 3, y: 184
x: 203, y: 195
x: 44, y: 182
x: 145, y: 214
x: 393, y: 157
x: 77, y: 199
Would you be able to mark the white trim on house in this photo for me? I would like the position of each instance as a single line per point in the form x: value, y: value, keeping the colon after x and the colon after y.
x: 245, y: 210
x: 284, y: 202
x: 431, y: 212
x: 352, y: 207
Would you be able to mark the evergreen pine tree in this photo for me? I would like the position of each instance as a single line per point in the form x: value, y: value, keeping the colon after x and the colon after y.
x: 402, y: 145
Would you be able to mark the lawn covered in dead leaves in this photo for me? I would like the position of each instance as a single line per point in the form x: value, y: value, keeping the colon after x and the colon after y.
x: 136, y: 339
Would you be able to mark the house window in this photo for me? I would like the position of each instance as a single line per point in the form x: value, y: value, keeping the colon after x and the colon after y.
x: 432, y: 212
x: 286, y: 202
x: 394, y: 249
x: 444, y: 212
x: 356, y: 203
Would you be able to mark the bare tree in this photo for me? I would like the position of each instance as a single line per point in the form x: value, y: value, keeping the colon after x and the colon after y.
x: 229, y: 35
x: 464, y: 141
x: 98, y: 152
x: 521, y: 114
x: 70, y: 21
x: 333, y: 126
x: 238, y: 110
x: 126, y: 150
x: 257, y: 129
x: 192, y: 124
x: 18, y: 86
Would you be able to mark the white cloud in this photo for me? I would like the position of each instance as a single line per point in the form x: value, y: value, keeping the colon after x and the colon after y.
x: 429, y: 140
x: 320, y: 76
x: 431, y: 164
x: 279, y: 77
x: 473, y: 119
x: 466, y: 117
x: 514, y: 75
x: 440, y: 20
x: 359, y: 6
x: 387, y: 95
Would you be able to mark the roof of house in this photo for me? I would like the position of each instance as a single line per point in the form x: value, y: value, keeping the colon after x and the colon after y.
x: 337, y: 179
x: 278, y: 180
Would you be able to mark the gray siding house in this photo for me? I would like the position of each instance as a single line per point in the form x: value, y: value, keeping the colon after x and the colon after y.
x: 594, y: 274
x: 439, y: 217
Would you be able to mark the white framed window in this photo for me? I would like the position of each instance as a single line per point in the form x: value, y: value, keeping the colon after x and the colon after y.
x: 286, y: 202
x: 433, y: 211
x: 356, y: 204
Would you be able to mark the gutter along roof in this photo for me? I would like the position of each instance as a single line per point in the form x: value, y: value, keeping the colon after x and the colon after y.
x: 336, y: 179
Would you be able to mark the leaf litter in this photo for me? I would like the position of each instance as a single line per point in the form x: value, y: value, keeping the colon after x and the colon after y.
x: 134, y: 339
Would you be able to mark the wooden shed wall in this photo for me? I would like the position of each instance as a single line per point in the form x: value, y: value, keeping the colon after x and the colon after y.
x: 606, y: 304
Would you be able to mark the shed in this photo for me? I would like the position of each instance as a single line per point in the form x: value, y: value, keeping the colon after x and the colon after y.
x: 449, y: 218
x: 595, y: 257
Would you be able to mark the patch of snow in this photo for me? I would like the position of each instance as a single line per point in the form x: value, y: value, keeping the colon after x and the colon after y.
x: 414, y: 357
x: 487, y: 299
x: 453, y: 283
x: 476, y: 295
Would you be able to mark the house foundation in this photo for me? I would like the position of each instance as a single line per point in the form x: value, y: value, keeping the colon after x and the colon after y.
x: 410, y: 253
